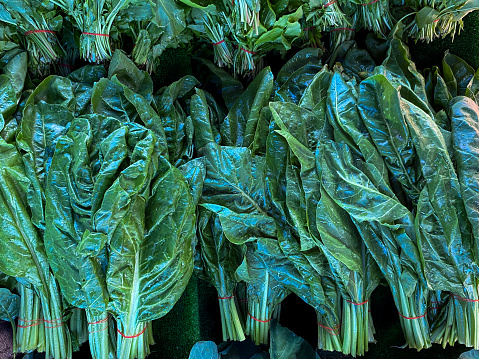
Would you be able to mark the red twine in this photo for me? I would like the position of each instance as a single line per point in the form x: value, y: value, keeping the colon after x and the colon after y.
x: 39, y: 31
x: 465, y: 299
x: 372, y: 2
x: 94, y: 34
x: 421, y: 316
x: 65, y: 65
x: 330, y: 3
x: 332, y: 331
x: 226, y: 297
x: 54, y: 321
x: 248, y: 52
x: 55, y: 326
x: 34, y: 321
x: 100, y: 321
x: 219, y: 42
x: 131, y: 336
x: 357, y: 303
x: 309, y: 28
x: 39, y: 321
x: 259, y: 320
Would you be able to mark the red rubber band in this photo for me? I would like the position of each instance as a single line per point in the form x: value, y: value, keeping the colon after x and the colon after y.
x: 309, y: 28
x: 132, y: 336
x: 65, y: 65
x: 330, y: 3
x: 259, y: 320
x: 34, y: 321
x: 38, y: 31
x: 219, y: 42
x: 465, y: 299
x: 28, y: 326
x: 243, y: 300
x: 372, y: 2
x: 94, y: 34
x: 342, y: 29
x: 100, y: 330
x: 332, y: 331
x: 226, y: 297
x: 436, y: 20
x: 357, y: 303
x: 100, y: 321
x: 421, y: 316
x: 56, y: 326
x: 248, y: 52
x: 54, y: 321
x: 434, y: 308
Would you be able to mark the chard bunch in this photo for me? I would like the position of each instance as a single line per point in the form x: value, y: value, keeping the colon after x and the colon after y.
x: 434, y: 19
x: 95, y: 19
x: 37, y: 27
x: 374, y: 15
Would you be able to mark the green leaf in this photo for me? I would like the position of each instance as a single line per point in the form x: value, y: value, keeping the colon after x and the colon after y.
x: 46, y: 116
x: 458, y: 75
x: 354, y: 191
x: 284, y: 344
x: 380, y: 108
x: 465, y: 139
x: 129, y: 75
x: 234, y: 188
x: 9, y: 304
x: 442, y: 222
x: 239, y: 127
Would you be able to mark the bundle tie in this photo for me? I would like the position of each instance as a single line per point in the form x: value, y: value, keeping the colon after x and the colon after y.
x: 55, y: 326
x: 219, y: 42
x: 330, y: 3
x: 434, y: 307
x: 465, y: 299
x: 226, y: 297
x: 94, y: 34
x: 309, y: 28
x: 66, y: 65
x: 54, y: 321
x: 34, y: 321
x: 357, y: 303
x: 248, y: 51
x: 419, y: 317
x: 332, y: 331
x: 131, y: 336
x: 99, y: 322
x: 372, y: 2
x: 58, y: 321
x: 259, y: 320
x: 39, y: 31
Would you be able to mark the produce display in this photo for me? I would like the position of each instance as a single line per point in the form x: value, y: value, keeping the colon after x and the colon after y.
x: 326, y: 178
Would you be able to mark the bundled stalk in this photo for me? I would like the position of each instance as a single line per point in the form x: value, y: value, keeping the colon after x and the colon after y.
x: 221, y: 259
x: 264, y: 294
x: 375, y: 15
x: 30, y: 328
x: 94, y: 19
x: 434, y: 19
x: 39, y: 27
x: 78, y: 326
